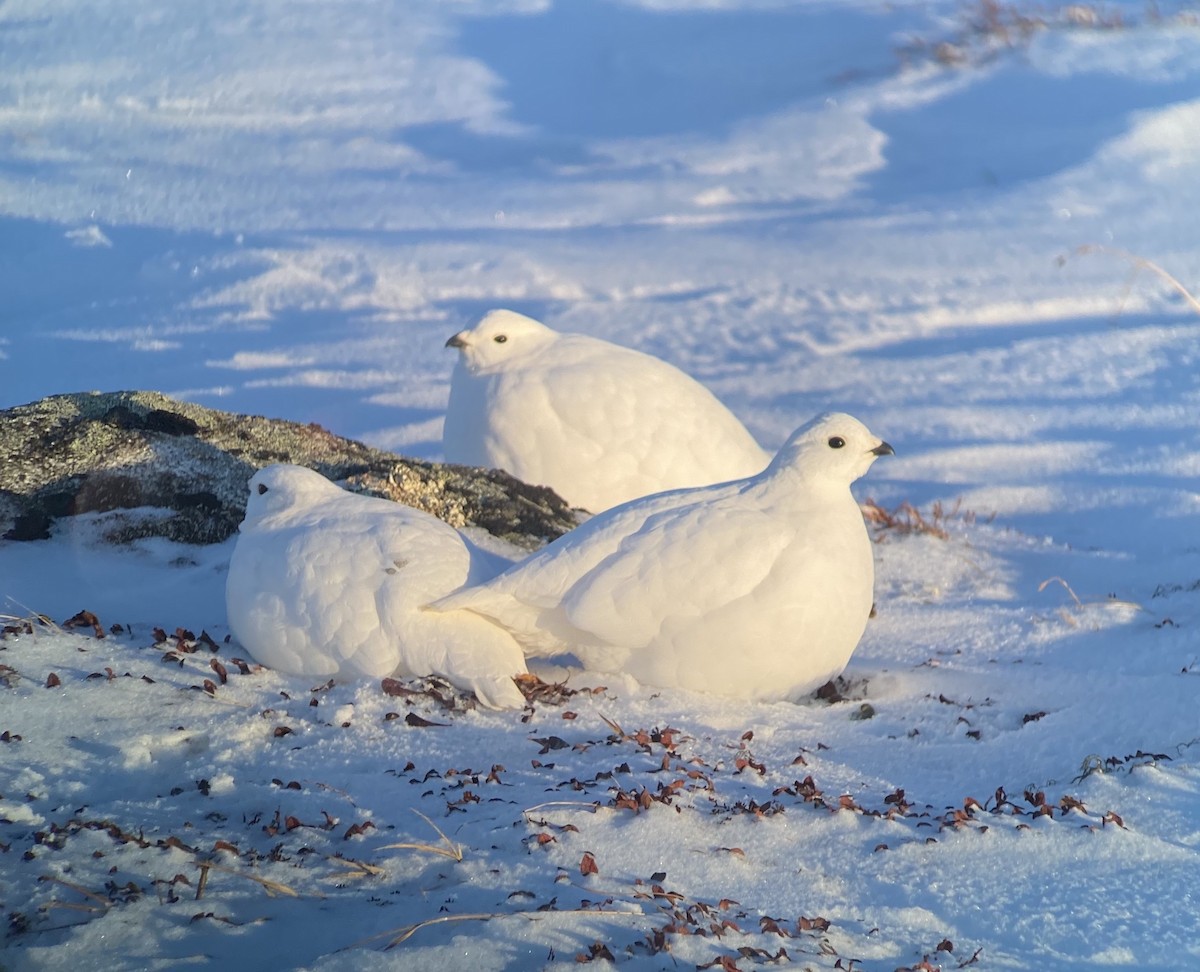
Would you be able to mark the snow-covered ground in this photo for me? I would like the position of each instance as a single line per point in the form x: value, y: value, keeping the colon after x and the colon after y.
x: 287, y: 208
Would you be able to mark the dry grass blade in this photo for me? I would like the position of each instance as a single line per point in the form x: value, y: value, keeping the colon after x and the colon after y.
x: 1140, y: 263
x: 354, y: 868
x: 31, y: 616
x: 1080, y: 606
x: 1052, y: 580
x: 74, y: 906
x: 104, y: 903
x: 1111, y: 601
x: 272, y: 887
x: 398, y: 936
x: 591, y: 807
x: 404, y: 934
x: 451, y: 850
x: 614, y: 726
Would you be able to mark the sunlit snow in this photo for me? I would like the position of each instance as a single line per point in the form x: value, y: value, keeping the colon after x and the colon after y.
x: 286, y: 209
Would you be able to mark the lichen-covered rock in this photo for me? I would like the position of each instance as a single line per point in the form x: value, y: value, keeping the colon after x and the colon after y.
x: 94, y: 452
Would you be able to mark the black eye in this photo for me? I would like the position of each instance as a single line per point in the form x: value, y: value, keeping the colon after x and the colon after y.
x: 836, y: 442
x: 262, y: 488
x: 500, y: 338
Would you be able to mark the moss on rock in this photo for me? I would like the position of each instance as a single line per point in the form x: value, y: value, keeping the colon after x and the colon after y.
x: 104, y: 451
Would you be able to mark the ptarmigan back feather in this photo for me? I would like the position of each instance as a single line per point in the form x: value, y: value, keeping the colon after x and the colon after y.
x: 599, y: 423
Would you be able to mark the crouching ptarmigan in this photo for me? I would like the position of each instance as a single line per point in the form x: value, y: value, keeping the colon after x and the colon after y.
x: 324, y: 582
x: 598, y: 423
x: 758, y: 589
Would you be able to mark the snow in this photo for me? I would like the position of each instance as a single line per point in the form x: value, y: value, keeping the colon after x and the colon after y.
x: 285, y: 209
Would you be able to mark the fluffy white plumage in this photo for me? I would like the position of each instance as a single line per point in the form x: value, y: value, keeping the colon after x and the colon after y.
x: 756, y: 589
x: 599, y: 423
x: 324, y: 582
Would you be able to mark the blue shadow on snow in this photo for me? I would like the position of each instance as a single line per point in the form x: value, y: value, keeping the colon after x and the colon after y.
x: 1013, y: 126
x: 586, y: 69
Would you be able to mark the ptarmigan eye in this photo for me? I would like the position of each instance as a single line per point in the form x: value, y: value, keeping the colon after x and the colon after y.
x: 262, y: 488
x: 836, y: 442
x: 500, y: 338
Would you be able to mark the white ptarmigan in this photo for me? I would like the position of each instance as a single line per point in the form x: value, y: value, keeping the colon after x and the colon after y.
x: 756, y: 589
x: 598, y: 423
x: 324, y: 582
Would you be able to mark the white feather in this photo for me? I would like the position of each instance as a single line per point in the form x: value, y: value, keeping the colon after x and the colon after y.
x: 597, y: 422
x: 324, y: 582
x: 758, y: 588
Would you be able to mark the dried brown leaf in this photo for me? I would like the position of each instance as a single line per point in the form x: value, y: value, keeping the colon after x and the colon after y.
x: 412, y: 719
x: 85, y: 619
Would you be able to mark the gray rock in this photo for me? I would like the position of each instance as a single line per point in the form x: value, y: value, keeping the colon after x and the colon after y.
x: 98, y: 452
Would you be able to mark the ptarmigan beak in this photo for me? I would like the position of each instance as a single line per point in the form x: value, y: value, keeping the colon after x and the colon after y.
x: 883, y: 449
x: 457, y: 341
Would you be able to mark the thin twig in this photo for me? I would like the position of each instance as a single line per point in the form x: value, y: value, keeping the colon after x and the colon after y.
x: 200, y: 885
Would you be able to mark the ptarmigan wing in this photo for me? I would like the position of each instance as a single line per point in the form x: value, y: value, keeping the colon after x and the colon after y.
x: 620, y: 582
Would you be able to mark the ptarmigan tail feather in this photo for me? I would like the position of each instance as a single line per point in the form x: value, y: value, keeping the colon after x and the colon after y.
x: 526, y: 625
x: 496, y: 692
x: 476, y: 654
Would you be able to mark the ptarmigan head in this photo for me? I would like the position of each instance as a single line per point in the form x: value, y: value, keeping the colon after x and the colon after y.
x: 501, y: 337
x: 834, y: 447
x: 281, y: 489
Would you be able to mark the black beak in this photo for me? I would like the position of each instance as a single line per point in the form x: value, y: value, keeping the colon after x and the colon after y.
x: 883, y: 449
x: 457, y: 341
